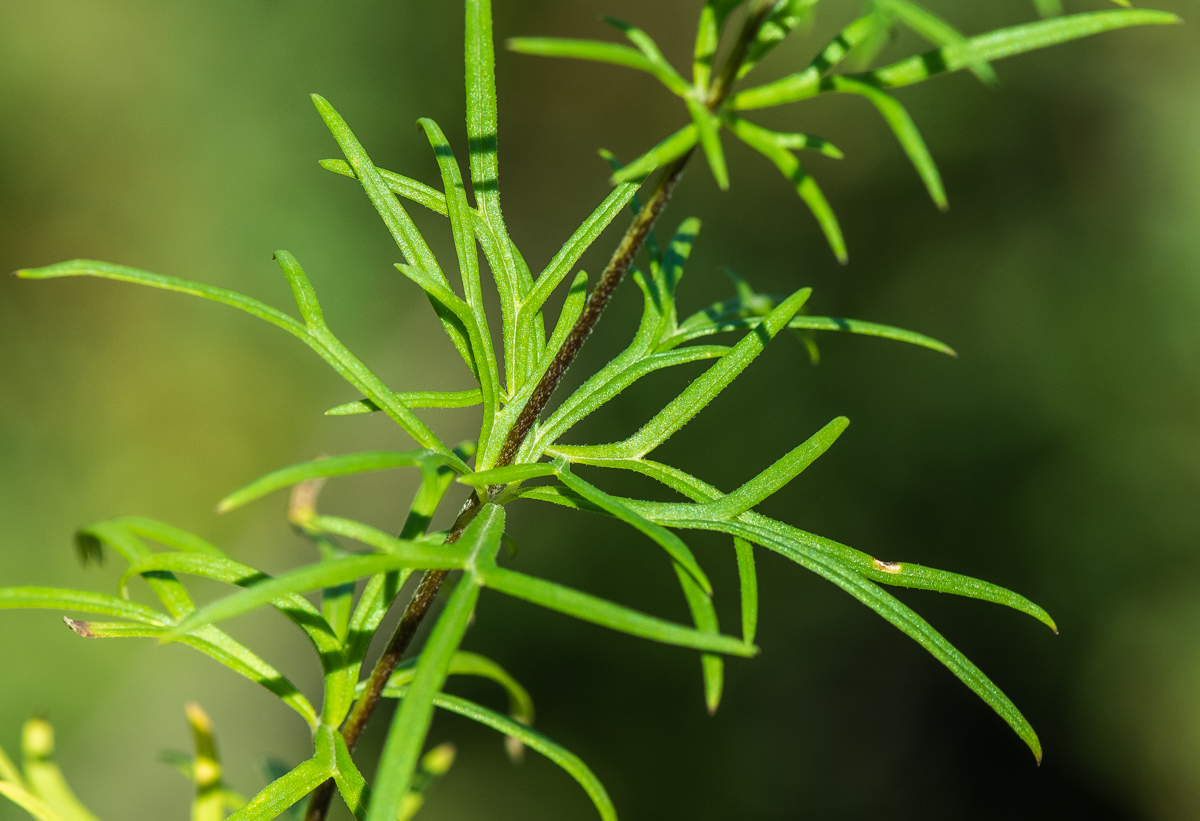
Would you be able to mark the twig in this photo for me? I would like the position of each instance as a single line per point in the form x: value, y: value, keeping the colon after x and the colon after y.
x: 622, y: 258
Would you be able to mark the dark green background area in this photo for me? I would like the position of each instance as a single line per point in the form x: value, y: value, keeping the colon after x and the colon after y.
x: 1058, y: 455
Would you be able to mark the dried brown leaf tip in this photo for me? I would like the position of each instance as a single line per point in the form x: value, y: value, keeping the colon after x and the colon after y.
x: 302, y: 506
x: 80, y: 627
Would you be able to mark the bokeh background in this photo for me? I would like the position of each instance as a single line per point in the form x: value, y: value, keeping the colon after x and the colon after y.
x: 1058, y: 455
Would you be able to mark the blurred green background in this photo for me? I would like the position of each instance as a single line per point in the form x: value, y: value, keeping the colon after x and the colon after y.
x: 1059, y: 455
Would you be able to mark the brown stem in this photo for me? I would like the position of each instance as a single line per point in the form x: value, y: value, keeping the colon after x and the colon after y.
x: 418, y: 606
x: 622, y: 258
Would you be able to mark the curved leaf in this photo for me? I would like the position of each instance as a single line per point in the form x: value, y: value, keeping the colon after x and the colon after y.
x: 606, y: 614
x: 1007, y: 42
x: 775, y: 147
x: 902, y: 125
x: 597, y: 51
x: 698, y: 394
x: 670, y: 149
x: 333, y: 466
x: 414, y: 399
x: 532, y: 739
x: 314, y: 577
x: 79, y: 601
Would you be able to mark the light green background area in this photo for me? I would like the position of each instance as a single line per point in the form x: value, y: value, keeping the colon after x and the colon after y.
x: 1059, y: 455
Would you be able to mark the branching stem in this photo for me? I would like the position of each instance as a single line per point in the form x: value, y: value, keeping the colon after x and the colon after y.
x: 631, y: 243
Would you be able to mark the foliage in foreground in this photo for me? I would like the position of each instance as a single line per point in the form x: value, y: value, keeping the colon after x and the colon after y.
x: 519, y: 455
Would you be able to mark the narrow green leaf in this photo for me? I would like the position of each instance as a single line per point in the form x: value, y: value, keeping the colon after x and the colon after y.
x: 806, y: 83
x: 708, y: 128
x: 468, y: 259
x: 670, y: 271
x: 218, y: 646
x: 748, y: 580
x: 170, y: 592
x: 78, y: 601
x: 659, y: 67
x: 314, y: 577
x: 846, y: 568
x: 507, y: 474
x: 597, y: 51
x: 795, y: 141
x: 511, y: 274
x: 668, y: 541
x: 414, y: 399
x: 704, y: 616
x: 353, y: 370
x: 856, y: 326
x: 441, y: 296
x: 531, y: 738
x: 1007, y: 42
x: 635, y: 206
x: 482, y: 120
x: 698, y: 394
x: 397, y: 220
x: 167, y: 535
x: 410, y: 725
x: 669, y: 150
x: 334, y: 466
x: 373, y: 604
x: 302, y: 290
x: 121, y: 273
x: 898, y: 119
x: 606, y: 614
x: 298, y: 609
x: 454, y: 314
x: 573, y: 248
x: 381, y: 541
x: 559, y: 496
x: 592, y: 396
x: 350, y: 782
x: 282, y: 793
x: 520, y: 704
x: 406, y: 187
x: 508, y: 268
x: 732, y: 316
x: 777, y: 475
x: 787, y: 15
x: 322, y: 342
x: 567, y: 317
x: 769, y: 144
x: 902, y: 617
x: 381, y: 590
x: 940, y: 33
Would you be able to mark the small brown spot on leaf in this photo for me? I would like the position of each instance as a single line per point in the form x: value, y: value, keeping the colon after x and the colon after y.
x: 887, y: 567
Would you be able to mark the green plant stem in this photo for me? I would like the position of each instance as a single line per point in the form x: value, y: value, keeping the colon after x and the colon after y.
x: 418, y: 606
x: 622, y: 258
x: 617, y: 267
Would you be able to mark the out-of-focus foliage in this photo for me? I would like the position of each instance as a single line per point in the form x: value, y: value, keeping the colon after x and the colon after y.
x: 1050, y: 458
